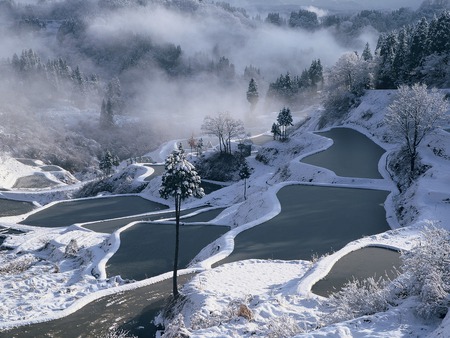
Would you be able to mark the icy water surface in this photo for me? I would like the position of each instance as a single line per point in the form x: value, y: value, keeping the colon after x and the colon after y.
x: 13, y: 208
x: 89, y: 210
x: 147, y: 249
x: 360, y: 264
x: 351, y: 155
x: 313, y: 221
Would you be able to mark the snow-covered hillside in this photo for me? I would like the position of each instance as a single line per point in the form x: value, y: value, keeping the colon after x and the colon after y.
x: 276, y: 294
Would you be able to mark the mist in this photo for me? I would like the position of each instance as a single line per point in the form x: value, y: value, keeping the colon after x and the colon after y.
x: 208, y: 34
x: 175, y: 66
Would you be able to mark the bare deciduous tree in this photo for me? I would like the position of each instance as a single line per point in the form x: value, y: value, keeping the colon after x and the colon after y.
x: 224, y: 127
x: 415, y: 113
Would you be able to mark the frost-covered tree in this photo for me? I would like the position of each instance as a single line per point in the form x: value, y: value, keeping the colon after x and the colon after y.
x: 106, y: 114
x: 244, y: 173
x: 347, y: 80
x: 367, y: 54
x: 200, y: 146
x: 427, y: 272
x: 192, y: 143
x: 284, y: 120
x: 276, y: 131
x: 252, y: 93
x: 414, y: 114
x: 224, y: 127
x: 315, y: 73
x: 180, y: 181
x: 419, y: 43
x: 107, y: 162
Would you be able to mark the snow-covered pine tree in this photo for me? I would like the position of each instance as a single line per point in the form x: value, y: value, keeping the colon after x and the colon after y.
x: 244, y: 173
x: 179, y: 181
x: 367, y: 54
x: 252, y: 93
x: 284, y: 120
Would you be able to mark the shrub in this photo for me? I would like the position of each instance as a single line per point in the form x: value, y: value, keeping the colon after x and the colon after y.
x: 427, y: 272
x: 220, y: 167
x: 358, y: 298
x: 284, y: 326
x: 426, y: 275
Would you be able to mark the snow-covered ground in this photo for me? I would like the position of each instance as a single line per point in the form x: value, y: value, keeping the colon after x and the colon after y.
x: 276, y: 292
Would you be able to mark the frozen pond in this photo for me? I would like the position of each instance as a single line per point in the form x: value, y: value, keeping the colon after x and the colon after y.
x: 360, y: 264
x: 313, y: 221
x: 93, y: 209
x: 351, y: 155
x: 147, y: 249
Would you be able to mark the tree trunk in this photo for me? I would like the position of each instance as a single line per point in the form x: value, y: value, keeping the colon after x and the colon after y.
x: 177, y: 246
x: 245, y: 189
x: 413, y: 162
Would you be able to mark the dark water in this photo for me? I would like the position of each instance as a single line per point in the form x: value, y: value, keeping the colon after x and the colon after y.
x: 89, y: 210
x: 50, y: 168
x: 13, y: 208
x: 262, y: 139
x: 33, y: 182
x: 147, y: 249
x: 313, y: 220
x: 204, y: 216
x: 359, y: 264
x: 158, y: 171
x: 351, y: 155
x: 109, y: 226
x: 132, y: 311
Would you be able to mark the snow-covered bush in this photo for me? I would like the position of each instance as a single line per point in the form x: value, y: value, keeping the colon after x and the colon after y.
x: 427, y: 272
x: 425, y: 275
x: 176, y: 328
x: 71, y: 248
x: 17, y: 265
x: 284, y: 326
x: 358, y: 298
x: 118, y: 334
x: 235, y: 308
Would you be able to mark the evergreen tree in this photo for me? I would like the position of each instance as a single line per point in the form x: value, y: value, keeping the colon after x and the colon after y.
x: 200, y: 146
x: 419, y: 44
x: 244, y: 173
x: 304, y: 80
x: 315, y: 73
x: 180, y: 181
x: 252, y: 94
x: 367, y: 54
x: 284, y: 120
x: 108, y: 162
x: 400, y: 62
x: 106, y: 114
x: 439, y: 34
x: 387, y: 50
x: 276, y: 131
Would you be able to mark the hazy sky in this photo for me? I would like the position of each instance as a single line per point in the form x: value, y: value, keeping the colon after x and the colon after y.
x: 356, y: 5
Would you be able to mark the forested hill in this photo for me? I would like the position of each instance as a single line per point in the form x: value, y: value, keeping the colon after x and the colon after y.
x: 80, y: 77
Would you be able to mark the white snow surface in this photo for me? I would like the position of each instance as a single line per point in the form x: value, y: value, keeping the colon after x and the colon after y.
x: 277, y: 292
